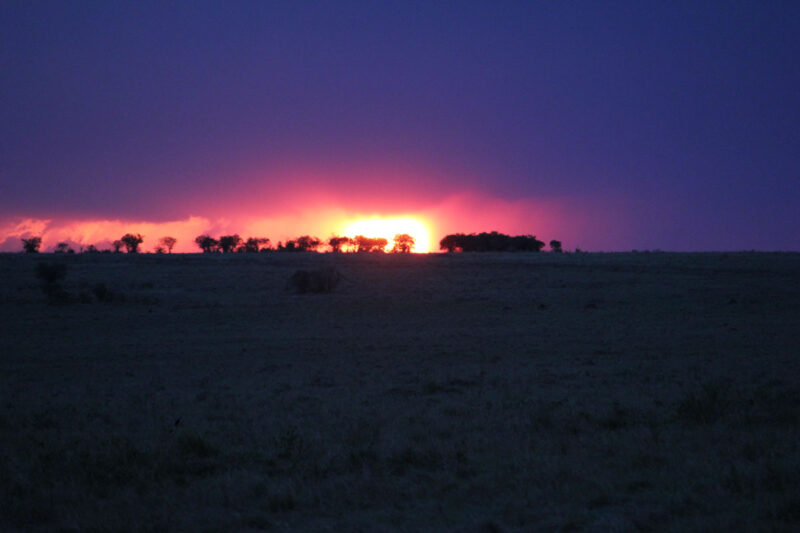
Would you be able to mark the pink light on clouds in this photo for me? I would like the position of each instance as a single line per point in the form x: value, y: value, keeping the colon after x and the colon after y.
x: 585, y: 224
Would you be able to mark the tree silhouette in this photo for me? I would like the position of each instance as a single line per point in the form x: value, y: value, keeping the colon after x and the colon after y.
x: 91, y: 249
x: 228, y: 243
x: 168, y: 243
x: 369, y: 244
x: 117, y: 246
x: 254, y: 244
x: 555, y: 246
x: 207, y: 243
x: 132, y: 242
x: 305, y: 243
x: 403, y: 243
x: 451, y: 243
x: 490, y: 242
x: 62, y: 248
x: 337, y: 243
x: 31, y: 245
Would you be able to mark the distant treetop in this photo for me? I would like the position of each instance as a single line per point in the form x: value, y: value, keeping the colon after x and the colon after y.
x: 31, y: 245
x: 490, y: 242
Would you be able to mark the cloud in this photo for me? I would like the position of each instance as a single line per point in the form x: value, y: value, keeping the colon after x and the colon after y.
x: 577, y: 223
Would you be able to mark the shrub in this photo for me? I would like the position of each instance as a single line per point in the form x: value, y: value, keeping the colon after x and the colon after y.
x: 51, y: 275
x: 31, y: 245
x: 63, y: 247
x: 315, y: 281
x: 102, y: 293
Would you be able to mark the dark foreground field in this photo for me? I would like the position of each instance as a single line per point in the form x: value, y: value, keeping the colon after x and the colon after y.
x: 462, y: 393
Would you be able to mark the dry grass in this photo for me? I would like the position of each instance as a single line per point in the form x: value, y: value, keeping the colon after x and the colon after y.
x: 470, y: 393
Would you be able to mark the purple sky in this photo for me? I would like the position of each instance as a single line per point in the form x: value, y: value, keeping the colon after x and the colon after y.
x: 671, y: 125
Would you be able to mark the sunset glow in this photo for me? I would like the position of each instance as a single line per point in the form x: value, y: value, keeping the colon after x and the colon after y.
x: 389, y: 227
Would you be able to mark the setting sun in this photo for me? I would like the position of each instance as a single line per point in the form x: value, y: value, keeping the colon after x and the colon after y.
x: 389, y: 227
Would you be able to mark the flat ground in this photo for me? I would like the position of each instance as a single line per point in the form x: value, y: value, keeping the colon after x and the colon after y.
x: 448, y: 392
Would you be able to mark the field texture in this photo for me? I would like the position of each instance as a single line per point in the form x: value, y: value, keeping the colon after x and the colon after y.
x: 498, y: 392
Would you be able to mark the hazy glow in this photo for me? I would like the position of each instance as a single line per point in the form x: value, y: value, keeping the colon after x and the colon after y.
x: 589, y: 224
x: 388, y: 228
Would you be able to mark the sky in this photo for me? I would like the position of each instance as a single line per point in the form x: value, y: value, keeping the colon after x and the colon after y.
x: 606, y: 125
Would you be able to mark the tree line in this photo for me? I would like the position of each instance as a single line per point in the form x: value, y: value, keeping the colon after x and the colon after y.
x: 130, y: 242
x: 402, y: 243
x: 494, y: 242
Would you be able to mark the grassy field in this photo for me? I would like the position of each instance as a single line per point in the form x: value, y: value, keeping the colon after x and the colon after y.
x: 599, y: 392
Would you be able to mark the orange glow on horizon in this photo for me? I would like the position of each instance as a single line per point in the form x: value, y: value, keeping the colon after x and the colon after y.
x: 388, y: 227
x: 577, y: 223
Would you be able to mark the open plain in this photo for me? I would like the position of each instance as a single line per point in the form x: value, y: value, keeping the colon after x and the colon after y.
x: 457, y: 392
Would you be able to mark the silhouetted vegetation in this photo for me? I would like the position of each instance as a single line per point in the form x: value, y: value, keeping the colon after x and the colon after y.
x: 337, y: 243
x: 102, y: 293
x: 316, y: 281
x: 167, y: 243
x: 305, y: 243
x: 91, y: 249
x: 490, y: 242
x: 228, y: 243
x: 132, y: 242
x: 403, y: 243
x: 51, y: 275
x: 207, y: 243
x: 31, y: 245
x: 369, y: 244
x: 63, y: 248
x: 254, y: 244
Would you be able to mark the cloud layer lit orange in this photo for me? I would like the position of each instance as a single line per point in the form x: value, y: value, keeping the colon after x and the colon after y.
x: 574, y: 224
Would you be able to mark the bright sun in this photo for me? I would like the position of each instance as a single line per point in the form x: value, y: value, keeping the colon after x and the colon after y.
x: 388, y: 228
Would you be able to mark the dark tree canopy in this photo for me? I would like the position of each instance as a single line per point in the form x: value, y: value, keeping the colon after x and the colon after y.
x: 254, y: 244
x: 31, y: 245
x: 337, y: 243
x: 117, y: 246
x: 490, y: 242
x: 132, y: 242
x: 63, y: 247
x: 307, y: 243
x: 370, y: 244
x: 168, y: 243
x: 304, y: 243
x: 451, y: 242
x: 207, y: 243
x: 228, y: 243
x: 403, y: 243
x: 555, y: 246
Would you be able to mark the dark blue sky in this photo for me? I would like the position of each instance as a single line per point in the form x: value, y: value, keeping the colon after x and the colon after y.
x: 683, y: 116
